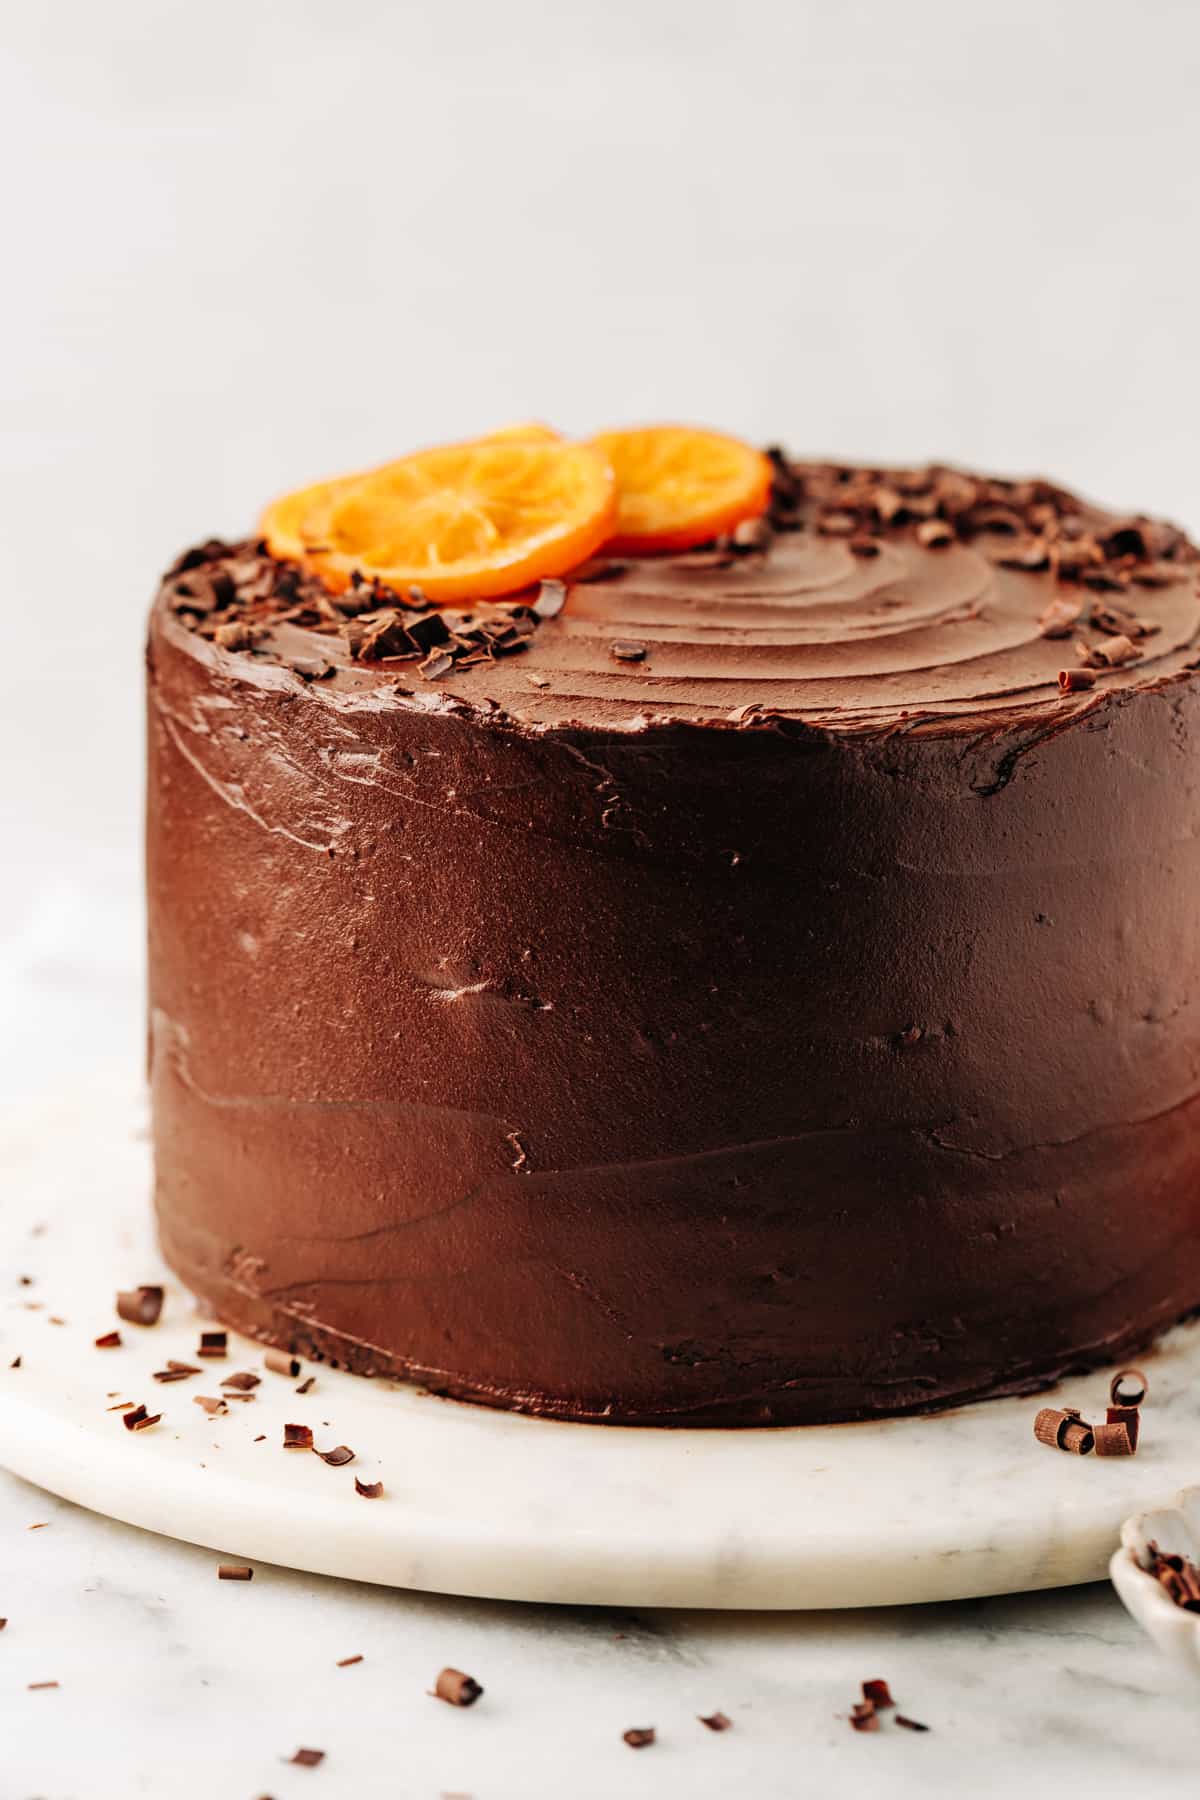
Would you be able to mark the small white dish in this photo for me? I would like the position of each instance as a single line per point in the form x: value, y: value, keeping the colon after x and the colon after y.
x: 1176, y: 1530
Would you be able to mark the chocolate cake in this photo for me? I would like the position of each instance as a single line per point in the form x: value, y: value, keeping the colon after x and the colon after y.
x: 756, y: 985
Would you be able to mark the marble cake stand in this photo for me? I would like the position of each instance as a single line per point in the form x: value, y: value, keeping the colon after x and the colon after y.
x: 489, y: 1504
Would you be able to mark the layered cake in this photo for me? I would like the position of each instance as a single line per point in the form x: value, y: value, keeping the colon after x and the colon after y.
x: 738, y: 974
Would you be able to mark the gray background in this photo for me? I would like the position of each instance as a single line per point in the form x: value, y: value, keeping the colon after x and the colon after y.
x: 250, y: 242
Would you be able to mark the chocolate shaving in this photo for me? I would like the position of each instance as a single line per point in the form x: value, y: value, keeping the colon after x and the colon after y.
x: 234, y: 636
x: 1076, y: 681
x: 863, y: 1716
x: 552, y: 597
x: 210, y: 1404
x: 1115, y: 652
x: 140, y: 1306
x: 910, y: 1724
x: 639, y: 1736
x: 280, y: 1363
x: 752, y: 536
x: 456, y: 1689
x: 935, y: 534
x: 628, y: 650
x: 434, y: 667
x: 716, y: 1721
x: 1113, y: 1439
x: 346, y: 1662
x: 213, y: 1344
x: 297, y: 1437
x: 1060, y: 618
x: 1178, y: 1575
x: 878, y: 1693
x: 1131, y: 1419
x: 15, y: 1363
x: 234, y: 1572
x: 243, y: 1380
x: 338, y: 1457
x: 180, y: 1373
x: 308, y: 1759
x: 111, y: 1340
x: 139, y: 1419
x: 34, y: 1686
x: 307, y: 1385
x: 370, y: 1490
x: 1134, y: 1380
x: 1063, y: 1429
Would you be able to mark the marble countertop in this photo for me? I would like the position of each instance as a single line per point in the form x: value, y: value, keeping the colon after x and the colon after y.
x: 173, y: 1683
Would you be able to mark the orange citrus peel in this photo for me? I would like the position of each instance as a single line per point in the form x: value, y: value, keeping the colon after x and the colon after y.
x: 679, y: 486
x: 460, y: 522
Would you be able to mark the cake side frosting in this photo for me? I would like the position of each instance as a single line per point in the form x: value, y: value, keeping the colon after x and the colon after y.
x: 548, y: 1045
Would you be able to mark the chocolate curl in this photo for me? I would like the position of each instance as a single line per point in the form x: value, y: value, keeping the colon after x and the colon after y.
x: 864, y: 1717
x: 457, y: 1689
x: 1131, y: 1419
x: 1113, y: 1440
x: 878, y: 1693
x: 140, y: 1305
x: 1135, y: 1380
x: 280, y: 1363
x: 1076, y: 681
x: 1063, y: 1429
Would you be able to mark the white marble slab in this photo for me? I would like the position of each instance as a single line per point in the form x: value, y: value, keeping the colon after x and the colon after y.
x: 486, y: 1503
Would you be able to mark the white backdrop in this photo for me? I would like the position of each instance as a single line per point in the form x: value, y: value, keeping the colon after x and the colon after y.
x: 250, y: 242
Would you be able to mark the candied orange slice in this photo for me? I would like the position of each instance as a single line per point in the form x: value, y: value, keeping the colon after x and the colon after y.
x: 527, y: 431
x: 678, y: 486
x: 464, y: 521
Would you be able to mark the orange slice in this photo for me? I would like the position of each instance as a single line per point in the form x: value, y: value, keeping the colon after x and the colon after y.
x: 529, y: 431
x: 678, y: 487
x: 465, y: 521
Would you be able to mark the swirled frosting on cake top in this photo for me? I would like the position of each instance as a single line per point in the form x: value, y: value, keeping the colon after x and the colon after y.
x: 867, y: 600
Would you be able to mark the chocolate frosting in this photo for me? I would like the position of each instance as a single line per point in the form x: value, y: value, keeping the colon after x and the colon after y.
x: 801, y: 1022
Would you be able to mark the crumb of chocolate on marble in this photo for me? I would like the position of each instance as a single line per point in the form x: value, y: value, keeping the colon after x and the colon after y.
x: 878, y: 1692
x: 297, y: 1437
x: 910, y: 1724
x: 308, y: 1759
x: 717, y: 1721
x: 109, y: 1340
x: 639, y: 1736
